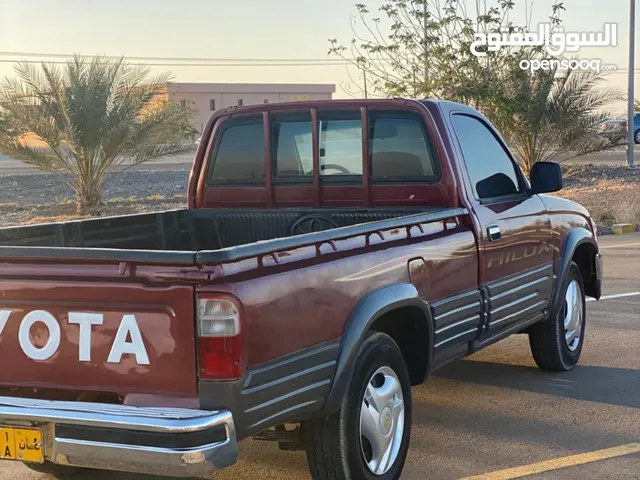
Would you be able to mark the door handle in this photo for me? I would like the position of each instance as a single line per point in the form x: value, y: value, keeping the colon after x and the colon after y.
x: 493, y: 233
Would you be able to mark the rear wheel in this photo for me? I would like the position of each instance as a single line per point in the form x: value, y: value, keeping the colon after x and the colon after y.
x: 557, y: 343
x: 368, y: 437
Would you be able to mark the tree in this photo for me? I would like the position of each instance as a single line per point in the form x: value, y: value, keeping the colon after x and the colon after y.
x: 422, y: 48
x: 88, y: 119
x: 425, y: 51
x: 552, y: 115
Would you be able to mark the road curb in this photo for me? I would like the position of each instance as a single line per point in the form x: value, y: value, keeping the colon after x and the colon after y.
x: 622, y: 228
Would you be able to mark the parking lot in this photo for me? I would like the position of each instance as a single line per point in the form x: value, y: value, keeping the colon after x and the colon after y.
x: 496, y: 416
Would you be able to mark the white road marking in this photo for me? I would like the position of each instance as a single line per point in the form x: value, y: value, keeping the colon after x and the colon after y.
x: 624, y: 245
x: 611, y: 297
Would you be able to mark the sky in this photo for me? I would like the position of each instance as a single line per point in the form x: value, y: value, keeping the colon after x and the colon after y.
x: 244, y: 29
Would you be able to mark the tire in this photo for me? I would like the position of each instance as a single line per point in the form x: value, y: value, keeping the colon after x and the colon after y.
x: 57, y: 471
x: 556, y: 344
x: 334, y: 445
x: 636, y: 136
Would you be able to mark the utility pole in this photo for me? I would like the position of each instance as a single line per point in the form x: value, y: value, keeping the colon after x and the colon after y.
x: 364, y: 75
x: 632, y: 51
x: 426, y: 47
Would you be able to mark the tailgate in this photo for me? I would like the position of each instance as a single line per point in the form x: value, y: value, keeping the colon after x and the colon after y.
x: 104, y: 328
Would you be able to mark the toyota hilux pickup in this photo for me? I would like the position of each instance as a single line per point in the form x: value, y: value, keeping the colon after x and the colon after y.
x: 332, y: 255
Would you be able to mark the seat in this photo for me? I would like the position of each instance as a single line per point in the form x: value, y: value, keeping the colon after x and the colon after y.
x: 239, y: 168
x: 396, y: 164
x: 287, y: 160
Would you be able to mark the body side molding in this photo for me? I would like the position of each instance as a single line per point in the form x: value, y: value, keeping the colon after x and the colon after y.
x: 292, y: 387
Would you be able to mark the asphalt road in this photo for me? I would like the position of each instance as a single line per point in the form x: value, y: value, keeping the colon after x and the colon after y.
x: 610, y: 157
x: 10, y: 166
x: 496, y: 410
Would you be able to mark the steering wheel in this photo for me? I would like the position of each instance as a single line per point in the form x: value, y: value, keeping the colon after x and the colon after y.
x: 331, y: 166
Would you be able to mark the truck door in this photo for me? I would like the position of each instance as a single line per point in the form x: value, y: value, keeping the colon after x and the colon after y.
x: 516, y: 258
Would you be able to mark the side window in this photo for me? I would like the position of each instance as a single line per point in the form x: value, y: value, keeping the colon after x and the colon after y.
x: 399, y: 148
x: 293, y: 146
x: 490, y: 168
x: 239, y: 157
x: 340, y: 144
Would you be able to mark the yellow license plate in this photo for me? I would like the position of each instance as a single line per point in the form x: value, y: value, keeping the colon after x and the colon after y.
x: 24, y: 444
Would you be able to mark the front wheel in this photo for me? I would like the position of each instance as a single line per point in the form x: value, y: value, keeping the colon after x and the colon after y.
x: 368, y: 437
x: 557, y: 343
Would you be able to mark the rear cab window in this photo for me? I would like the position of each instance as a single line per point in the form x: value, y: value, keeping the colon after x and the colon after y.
x: 238, y: 157
x: 292, y: 147
x: 341, y: 145
x: 399, y: 148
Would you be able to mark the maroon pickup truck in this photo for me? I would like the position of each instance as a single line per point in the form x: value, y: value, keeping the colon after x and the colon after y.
x: 333, y: 255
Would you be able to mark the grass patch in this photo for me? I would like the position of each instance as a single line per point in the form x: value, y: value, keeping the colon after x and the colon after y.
x: 56, y: 219
x: 156, y: 198
x: 608, y: 202
x: 628, y: 212
x: 570, y: 169
x: 122, y: 199
x: 606, y: 219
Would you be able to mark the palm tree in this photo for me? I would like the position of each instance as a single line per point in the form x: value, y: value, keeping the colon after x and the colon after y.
x: 552, y: 115
x: 88, y: 119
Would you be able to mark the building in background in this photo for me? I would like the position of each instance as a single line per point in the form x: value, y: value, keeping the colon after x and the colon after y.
x: 208, y: 97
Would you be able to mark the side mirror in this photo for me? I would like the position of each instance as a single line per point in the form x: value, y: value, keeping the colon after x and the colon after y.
x: 546, y: 177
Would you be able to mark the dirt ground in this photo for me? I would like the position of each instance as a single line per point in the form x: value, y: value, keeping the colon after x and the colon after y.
x: 610, y: 193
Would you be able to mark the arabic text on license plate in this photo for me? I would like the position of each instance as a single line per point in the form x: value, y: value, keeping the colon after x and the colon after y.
x: 24, y: 444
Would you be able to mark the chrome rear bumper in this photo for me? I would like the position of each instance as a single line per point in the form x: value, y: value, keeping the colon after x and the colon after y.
x: 160, y: 441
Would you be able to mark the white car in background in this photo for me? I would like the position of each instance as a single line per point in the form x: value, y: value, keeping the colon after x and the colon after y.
x: 614, y: 125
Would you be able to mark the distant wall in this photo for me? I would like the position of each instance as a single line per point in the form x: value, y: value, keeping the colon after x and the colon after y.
x: 227, y: 95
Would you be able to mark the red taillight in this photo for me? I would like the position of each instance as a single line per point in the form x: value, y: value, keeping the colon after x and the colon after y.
x: 220, y: 337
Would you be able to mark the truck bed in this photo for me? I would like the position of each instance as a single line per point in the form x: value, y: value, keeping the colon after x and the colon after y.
x: 202, y: 236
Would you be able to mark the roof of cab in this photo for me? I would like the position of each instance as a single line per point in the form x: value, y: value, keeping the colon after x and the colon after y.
x: 308, y: 104
x: 342, y: 103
